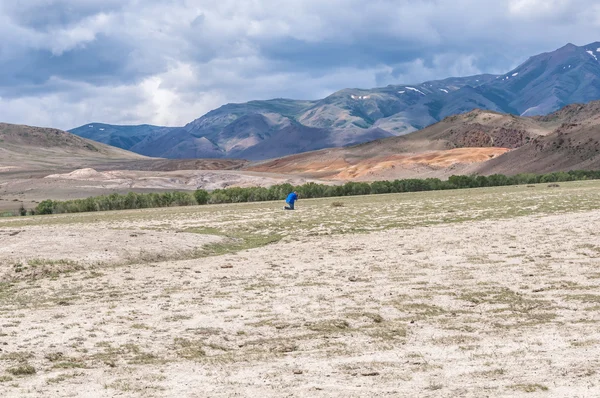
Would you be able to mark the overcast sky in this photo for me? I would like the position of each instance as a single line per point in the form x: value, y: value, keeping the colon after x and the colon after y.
x: 64, y: 63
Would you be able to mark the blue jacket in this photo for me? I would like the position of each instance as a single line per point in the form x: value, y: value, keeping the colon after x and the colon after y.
x: 291, y: 198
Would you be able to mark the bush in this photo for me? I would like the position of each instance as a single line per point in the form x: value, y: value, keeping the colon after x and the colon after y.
x: 201, y: 196
x: 44, y: 207
x: 309, y: 190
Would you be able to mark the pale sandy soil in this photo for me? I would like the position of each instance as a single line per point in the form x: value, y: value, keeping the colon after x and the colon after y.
x: 82, y: 183
x: 92, y: 245
x: 335, y: 164
x: 477, y: 293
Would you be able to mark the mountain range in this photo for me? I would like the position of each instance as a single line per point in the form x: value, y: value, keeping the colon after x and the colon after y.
x: 477, y: 142
x: 267, y: 129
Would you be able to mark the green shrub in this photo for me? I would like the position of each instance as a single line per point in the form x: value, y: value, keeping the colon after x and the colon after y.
x: 44, y: 207
x: 201, y: 196
x: 309, y: 190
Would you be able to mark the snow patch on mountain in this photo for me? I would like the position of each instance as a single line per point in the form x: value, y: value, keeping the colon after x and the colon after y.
x: 415, y: 89
x: 444, y: 90
x: 592, y: 54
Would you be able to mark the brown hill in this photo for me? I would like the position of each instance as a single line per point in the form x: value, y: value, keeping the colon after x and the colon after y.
x: 457, y: 144
x: 29, y: 148
x: 573, y: 145
x: 157, y: 164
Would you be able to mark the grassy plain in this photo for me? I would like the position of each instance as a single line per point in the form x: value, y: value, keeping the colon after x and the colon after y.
x: 482, y: 292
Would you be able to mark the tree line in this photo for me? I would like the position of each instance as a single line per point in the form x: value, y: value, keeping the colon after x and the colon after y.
x: 134, y: 200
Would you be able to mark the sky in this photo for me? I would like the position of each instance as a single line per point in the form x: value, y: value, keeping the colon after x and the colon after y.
x: 65, y: 63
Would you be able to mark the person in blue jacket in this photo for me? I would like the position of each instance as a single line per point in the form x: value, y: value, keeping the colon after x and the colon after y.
x: 291, y: 198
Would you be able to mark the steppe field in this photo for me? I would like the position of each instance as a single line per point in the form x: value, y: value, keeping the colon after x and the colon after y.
x: 472, y: 293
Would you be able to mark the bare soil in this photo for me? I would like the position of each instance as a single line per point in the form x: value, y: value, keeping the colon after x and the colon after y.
x: 486, y: 292
x: 32, y: 188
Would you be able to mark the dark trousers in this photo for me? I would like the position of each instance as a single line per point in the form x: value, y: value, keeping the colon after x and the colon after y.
x: 290, y: 206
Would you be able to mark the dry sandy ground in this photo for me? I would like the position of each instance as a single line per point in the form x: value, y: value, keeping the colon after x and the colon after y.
x: 471, y: 302
x: 336, y: 164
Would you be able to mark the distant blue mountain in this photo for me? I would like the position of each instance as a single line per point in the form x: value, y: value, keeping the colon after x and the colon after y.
x: 265, y: 129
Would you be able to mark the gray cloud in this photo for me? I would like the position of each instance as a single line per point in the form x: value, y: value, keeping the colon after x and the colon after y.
x: 66, y: 63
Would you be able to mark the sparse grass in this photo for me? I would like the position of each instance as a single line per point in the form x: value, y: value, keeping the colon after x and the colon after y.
x: 140, y: 326
x: 37, y: 268
x: 439, y: 294
x: 54, y: 356
x: 374, y: 317
x: 421, y: 309
x: 189, y: 349
x: 386, y: 333
x: 584, y: 298
x: 332, y: 325
x: 455, y: 340
x: 435, y: 386
x: 39, y: 262
x: 529, y: 387
x: 234, y: 244
x: 585, y: 343
x: 22, y: 370
x: 490, y: 374
x: 68, y: 365
x: 132, y: 353
x: 64, y: 377
x: 178, y: 317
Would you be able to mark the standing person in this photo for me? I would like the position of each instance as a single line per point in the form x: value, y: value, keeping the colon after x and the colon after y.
x: 291, y: 198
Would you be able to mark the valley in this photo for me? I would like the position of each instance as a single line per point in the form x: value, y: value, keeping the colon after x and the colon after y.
x: 454, y: 293
x: 479, y: 142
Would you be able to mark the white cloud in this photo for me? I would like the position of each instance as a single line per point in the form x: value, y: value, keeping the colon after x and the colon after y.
x: 168, y: 62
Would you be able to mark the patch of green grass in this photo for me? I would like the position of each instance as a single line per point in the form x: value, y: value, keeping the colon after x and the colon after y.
x: 68, y: 365
x: 237, y: 243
